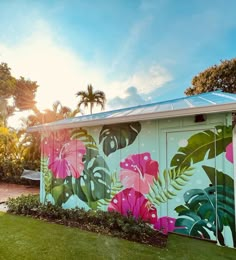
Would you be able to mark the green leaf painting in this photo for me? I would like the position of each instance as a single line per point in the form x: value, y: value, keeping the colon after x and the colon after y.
x: 205, y: 213
x: 82, y: 135
x: 189, y: 223
x: 95, y: 183
x: 204, y: 145
x: 116, y: 187
x: 217, y: 177
x: 61, y: 193
x: 211, y: 209
x: 118, y: 136
x: 167, y: 186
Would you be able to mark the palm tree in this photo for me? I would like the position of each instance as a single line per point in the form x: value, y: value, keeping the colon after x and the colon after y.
x: 57, y: 112
x: 91, y: 98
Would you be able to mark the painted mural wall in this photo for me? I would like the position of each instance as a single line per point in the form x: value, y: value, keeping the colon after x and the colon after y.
x: 175, y: 174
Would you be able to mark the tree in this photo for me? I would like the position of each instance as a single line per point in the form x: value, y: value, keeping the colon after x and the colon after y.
x: 91, y: 98
x: 21, y: 91
x: 218, y: 77
x: 24, y: 95
x: 57, y: 112
x: 7, y: 82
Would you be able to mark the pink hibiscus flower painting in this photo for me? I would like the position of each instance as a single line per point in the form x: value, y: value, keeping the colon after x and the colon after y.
x: 130, y: 200
x: 138, y: 172
x: 229, y: 153
x: 64, y: 155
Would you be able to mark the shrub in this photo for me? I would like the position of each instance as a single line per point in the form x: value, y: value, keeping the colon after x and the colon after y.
x: 112, y: 223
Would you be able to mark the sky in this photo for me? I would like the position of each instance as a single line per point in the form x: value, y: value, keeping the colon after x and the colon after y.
x: 136, y: 51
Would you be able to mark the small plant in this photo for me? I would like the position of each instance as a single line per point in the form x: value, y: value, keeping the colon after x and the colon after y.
x: 23, y: 204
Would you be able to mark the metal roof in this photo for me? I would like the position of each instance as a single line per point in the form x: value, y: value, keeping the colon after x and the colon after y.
x: 210, y: 102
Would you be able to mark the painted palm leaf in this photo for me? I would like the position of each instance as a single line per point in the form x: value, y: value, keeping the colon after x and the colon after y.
x: 221, y: 178
x: 115, y: 137
x: 204, y: 145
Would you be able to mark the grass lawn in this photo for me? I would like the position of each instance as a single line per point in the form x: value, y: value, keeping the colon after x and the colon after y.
x: 27, y: 238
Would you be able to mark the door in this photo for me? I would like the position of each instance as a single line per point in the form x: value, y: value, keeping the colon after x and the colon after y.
x: 191, y: 164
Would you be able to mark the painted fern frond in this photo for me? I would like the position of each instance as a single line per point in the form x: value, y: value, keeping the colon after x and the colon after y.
x: 167, y: 185
x: 82, y: 135
x: 116, y: 187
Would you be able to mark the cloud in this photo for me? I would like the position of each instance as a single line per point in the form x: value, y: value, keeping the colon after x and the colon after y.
x: 133, y: 98
x: 145, y: 81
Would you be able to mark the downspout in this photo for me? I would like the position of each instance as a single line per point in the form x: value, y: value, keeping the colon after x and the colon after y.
x: 234, y: 156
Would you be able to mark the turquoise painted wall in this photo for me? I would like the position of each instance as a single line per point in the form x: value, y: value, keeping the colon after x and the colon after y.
x: 174, y: 173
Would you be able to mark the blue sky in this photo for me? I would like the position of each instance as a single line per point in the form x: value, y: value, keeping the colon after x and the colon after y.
x: 136, y: 51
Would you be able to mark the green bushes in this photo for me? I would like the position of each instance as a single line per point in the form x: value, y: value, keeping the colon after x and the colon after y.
x: 111, y: 223
x: 11, y: 171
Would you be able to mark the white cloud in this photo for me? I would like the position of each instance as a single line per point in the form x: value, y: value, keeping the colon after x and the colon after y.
x: 132, y: 98
x: 60, y: 72
x: 145, y: 81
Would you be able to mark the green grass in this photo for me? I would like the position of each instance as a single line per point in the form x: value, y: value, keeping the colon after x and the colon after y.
x: 27, y: 238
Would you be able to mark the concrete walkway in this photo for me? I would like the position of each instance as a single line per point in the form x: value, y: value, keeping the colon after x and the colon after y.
x: 8, y: 190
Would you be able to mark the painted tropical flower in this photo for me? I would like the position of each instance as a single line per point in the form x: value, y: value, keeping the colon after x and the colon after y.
x: 130, y: 200
x: 165, y: 224
x: 138, y: 172
x: 64, y: 155
x: 229, y: 153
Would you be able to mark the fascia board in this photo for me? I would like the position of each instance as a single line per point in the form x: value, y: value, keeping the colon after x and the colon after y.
x: 140, y: 117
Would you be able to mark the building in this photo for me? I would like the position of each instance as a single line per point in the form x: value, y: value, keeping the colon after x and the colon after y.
x: 170, y: 163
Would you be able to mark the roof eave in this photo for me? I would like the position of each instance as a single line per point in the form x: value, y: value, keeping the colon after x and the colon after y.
x: 140, y: 117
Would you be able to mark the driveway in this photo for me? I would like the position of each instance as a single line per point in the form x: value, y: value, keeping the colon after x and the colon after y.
x: 8, y: 190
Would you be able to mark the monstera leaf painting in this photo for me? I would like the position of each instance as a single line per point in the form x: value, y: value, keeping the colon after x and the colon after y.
x: 189, y: 223
x: 62, y: 190
x: 204, y: 145
x: 115, y: 137
x: 95, y: 183
x: 203, y: 213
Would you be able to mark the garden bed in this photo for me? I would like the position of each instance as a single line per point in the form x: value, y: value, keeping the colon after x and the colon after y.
x: 108, y: 223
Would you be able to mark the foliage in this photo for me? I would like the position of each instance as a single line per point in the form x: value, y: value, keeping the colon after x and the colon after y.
x: 23, y: 204
x: 24, y: 94
x: 7, y: 81
x: 91, y: 98
x: 22, y: 91
x: 208, y: 210
x: 11, y: 163
x: 99, y: 221
x: 29, y: 148
x: 218, y: 77
x: 115, y: 137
